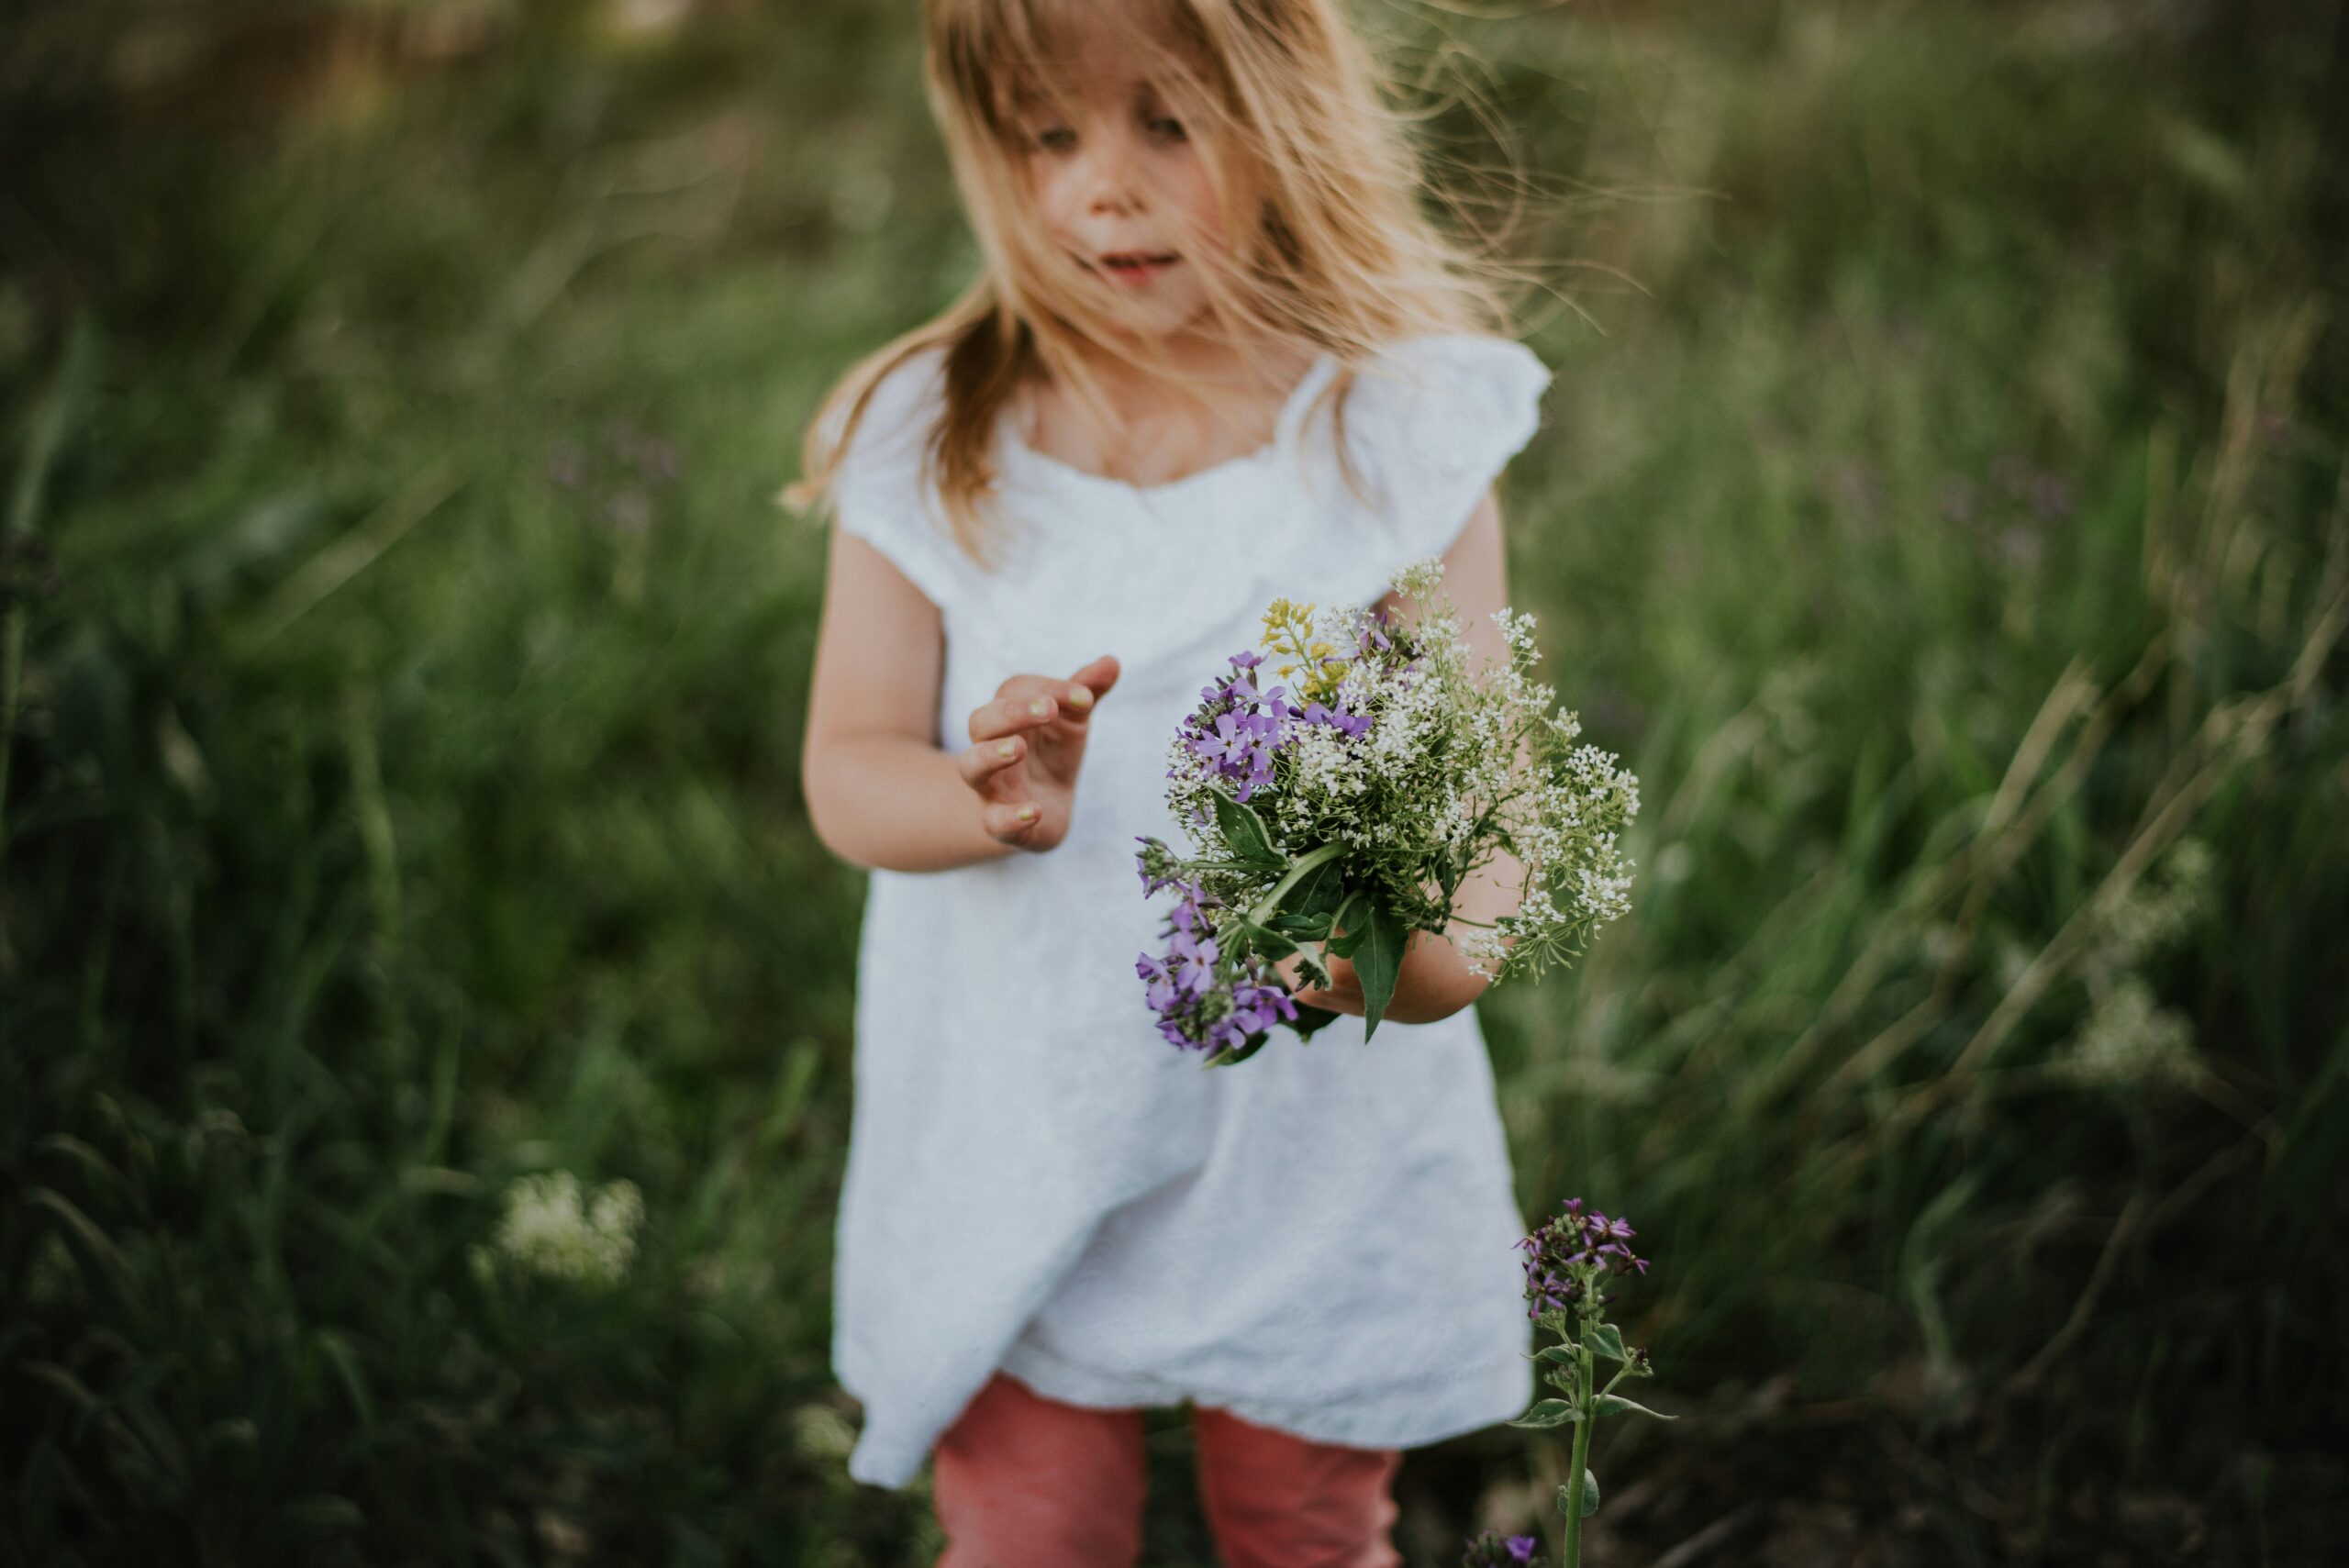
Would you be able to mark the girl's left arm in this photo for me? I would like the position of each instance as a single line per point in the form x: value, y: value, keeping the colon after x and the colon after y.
x: 1435, y: 980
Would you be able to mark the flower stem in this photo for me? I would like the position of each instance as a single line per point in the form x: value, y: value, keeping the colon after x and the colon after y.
x: 1589, y: 1404
x: 1297, y: 868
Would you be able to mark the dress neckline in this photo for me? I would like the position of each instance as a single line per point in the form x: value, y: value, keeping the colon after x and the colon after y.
x: 1292, y: 413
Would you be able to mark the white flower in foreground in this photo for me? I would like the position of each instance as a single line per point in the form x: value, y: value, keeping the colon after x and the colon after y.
x: 2129, y: 1039
x: 549, y: 1228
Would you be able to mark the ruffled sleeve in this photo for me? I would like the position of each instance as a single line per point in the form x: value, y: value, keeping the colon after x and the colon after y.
x: 881, y: 491
x: 1430, y: 424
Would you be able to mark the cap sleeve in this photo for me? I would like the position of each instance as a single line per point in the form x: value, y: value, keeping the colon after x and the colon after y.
x: 1430, y: 424
x: 881, y: 492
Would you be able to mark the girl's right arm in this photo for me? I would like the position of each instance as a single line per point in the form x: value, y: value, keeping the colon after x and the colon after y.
x: 881, y: 793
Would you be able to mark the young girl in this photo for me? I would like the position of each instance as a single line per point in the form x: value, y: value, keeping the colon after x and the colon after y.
x: 1216, y: 356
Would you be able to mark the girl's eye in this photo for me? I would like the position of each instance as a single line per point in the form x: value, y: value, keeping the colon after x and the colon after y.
x: 1053, y: 138
x: 1167, y: 126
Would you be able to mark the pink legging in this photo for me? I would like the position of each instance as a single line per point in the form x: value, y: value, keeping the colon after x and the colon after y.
x: 1022, y: 1481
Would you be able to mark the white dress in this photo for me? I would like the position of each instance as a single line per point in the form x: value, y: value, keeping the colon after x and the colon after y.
x: 1321, y: 1240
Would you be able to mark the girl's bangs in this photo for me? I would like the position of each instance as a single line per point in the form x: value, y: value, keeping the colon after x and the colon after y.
x: 1001, y: 57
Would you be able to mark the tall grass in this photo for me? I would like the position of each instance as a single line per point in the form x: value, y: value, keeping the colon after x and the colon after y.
x: 401, y: 684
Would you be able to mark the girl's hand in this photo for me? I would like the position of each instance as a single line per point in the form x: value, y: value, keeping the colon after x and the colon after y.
x: 1433, y: 982
x: 1025, y: 746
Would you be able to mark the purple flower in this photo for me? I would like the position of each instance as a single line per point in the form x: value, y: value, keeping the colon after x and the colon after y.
x: 1568, y: 1256
x: 1206, y: 1000
x: 1493, y: 1549
x: 1154, y: 864
x: 1347, y: 724
x: 1236, y: 729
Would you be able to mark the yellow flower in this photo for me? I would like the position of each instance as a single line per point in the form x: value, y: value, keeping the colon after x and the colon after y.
x: 1288, y: 630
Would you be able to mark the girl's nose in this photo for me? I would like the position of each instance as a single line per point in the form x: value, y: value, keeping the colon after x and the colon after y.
x: 1112, y: 201
x: 1110, y: 186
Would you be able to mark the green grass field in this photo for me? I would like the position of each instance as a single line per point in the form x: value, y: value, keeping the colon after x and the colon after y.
x: 1942, y: 504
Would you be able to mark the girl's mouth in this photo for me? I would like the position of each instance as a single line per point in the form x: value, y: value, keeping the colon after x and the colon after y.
x: 1134, y: 267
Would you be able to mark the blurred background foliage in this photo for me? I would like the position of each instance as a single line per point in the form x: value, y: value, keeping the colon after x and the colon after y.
x: 427, y: 1012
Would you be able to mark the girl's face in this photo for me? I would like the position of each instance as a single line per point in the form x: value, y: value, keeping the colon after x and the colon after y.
x: 1124, y: 193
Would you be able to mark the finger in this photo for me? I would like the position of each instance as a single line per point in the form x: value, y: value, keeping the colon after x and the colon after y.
x: 1076, y: 701
x: 1010, y: 824
x: 1060, y: 746
x: 1078, y: 694
x: 1011, y: 715
x: 1027, y: 684
x: 1096, y: 678
x: 983, y: 762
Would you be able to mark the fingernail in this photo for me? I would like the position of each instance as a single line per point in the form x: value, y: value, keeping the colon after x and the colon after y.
x: 1007, y: 748
x: 1080, y: 697
x: 1039, y: 707
x: 1026, y: 814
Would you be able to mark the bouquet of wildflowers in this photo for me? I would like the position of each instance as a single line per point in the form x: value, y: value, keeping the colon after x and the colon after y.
x: 1336, y: 816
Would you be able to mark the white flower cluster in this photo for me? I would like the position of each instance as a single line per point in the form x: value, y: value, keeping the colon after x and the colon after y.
x: 550, y: 1228
x: 2160, y: 910
x: 1459, y: 766
x: 2129, y: 1039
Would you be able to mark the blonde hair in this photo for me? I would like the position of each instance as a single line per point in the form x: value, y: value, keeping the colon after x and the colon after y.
x: 1318, y: 179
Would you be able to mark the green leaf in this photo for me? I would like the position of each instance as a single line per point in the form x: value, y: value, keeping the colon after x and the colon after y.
x: 1317, y: 892
x: 336, y: 1347
x: 1301, y: 928
x: 1274, y: 947
x: 87, y: 1239
x: 1589, y: 1496
x: 1377, y: 963
x: 1607, y: 1340
x: 1244, y: 833
x: 1548, y: 1413
x: 1270, y: 944
x: 1556, y: 1355
x: 1349, y: 925
x: 1610, y: 1404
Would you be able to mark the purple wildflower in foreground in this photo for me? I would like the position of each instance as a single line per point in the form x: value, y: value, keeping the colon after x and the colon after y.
x: 1493, y: 1549
x: 1571, y: 1253
x: 1199, y: 1007
x: 1568, y: 1259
